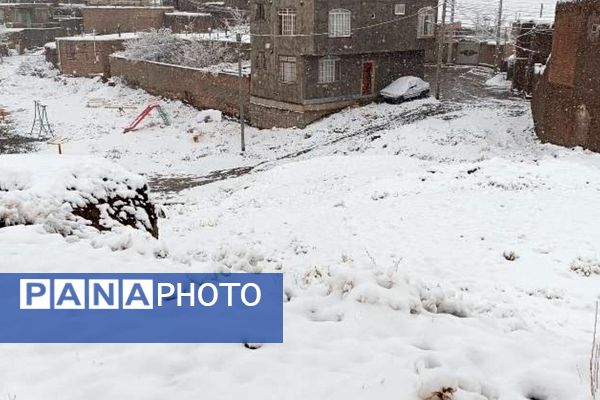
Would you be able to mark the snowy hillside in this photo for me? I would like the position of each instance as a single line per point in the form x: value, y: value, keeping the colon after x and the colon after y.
x: 430, y: 250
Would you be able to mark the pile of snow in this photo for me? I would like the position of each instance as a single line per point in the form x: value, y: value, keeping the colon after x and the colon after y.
x: 68, y: 194
x: 499, y: 81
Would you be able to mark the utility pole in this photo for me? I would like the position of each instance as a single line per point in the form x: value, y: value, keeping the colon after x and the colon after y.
x: 442, y: 34
x: 241, y: 90
x: 541, y: 10
x: 498, y: 37
x: 453, y: 31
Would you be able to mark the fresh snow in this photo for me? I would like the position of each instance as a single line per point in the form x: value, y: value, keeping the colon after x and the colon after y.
x: 499, y: 81
x: 394, y: 226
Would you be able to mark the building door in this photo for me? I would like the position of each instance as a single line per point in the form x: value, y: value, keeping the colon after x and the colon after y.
x: 367, y: 78
x: 467, y: 53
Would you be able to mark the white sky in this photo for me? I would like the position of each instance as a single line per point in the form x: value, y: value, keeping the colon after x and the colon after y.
x: 466, y: 9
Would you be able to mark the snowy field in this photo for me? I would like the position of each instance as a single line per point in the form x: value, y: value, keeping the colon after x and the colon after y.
x: 426, y: 247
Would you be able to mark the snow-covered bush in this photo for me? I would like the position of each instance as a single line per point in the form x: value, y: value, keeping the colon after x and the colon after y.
x: 163, y: 46
x: 71, y: 195
x: 36, y: 66
x: 157, y: 45
x: 585, y: 267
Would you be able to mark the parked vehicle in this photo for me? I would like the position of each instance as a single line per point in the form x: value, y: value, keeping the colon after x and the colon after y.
x: 405, y: 88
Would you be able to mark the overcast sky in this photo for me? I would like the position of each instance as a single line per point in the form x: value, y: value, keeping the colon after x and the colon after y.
x: 466, y: 9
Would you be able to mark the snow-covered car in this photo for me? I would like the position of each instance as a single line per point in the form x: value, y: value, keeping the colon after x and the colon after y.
x: 405, y: 88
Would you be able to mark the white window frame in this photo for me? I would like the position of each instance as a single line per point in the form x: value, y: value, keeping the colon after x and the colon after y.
x: 426, y: 24
x: 328, y: 69
x: 400, y: 9
x: 287, y: 21
x: 287, y: 69
x: 340, y: 23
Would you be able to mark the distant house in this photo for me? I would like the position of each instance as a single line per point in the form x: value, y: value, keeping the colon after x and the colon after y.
x: 311, y: 58
x: 88, y: 55
x: 566, y: 98
x: 110, y: 19
x: 34, y: 24
x: 25, y: 15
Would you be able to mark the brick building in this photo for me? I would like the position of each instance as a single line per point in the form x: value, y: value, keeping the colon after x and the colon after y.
x: 185, y: 21
x: 34, y: 24
x: 107, y: 19
x: 88, y: 55
x: 25, y: 15
x: 533, y: 44
x: 566, y: 98
x: 311, y: 58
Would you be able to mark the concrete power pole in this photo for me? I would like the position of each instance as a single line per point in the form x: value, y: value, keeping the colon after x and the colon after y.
x: 498, y: 37
x: 241, y: 91
x: 441, y: 37
x: 541, y: 10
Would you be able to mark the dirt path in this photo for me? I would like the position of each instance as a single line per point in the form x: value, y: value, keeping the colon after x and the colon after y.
x: 462, y: 86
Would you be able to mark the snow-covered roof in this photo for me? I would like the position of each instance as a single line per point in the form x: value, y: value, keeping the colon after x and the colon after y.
x: 188, y: 14
x: 136, y: 7
x: 89, y: 37
x: 215, y: 35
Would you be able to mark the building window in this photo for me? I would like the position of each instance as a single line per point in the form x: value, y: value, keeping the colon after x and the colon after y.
x: 426, y: 25
x: 287, y: 21
x: 339, y: 23
x: 287, y: 69
x: 399, y: 9
x: 260, y: 12
x: 328, y: 68
x: 261, y: 61
x: 595, y: 31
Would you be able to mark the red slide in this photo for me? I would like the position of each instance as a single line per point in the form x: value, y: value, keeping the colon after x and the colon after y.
x: 141, y: 117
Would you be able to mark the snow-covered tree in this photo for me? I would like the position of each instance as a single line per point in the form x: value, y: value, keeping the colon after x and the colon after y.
x: 157, y: 45
x: 237, y: 22
x: 163, y: 46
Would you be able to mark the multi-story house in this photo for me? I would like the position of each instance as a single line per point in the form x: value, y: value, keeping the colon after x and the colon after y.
x: 313, y: 57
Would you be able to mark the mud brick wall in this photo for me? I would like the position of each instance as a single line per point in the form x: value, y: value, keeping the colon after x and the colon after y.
x: 566, y: 99
x: 124, y: 19
x: 198, y: 88
x: 86, y: 57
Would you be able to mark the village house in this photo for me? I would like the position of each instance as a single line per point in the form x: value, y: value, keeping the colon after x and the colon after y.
x: 113, y: 19
x: 311, y: 58
x: 34, y: 24
x: 566, y: 98
x: 25, y: 15
x: 88, y: 55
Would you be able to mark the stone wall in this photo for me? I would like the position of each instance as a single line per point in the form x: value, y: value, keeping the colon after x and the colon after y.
x: 193, y: 86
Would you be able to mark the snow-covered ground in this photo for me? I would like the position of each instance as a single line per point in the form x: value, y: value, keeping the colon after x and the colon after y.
x: 426, y: 246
